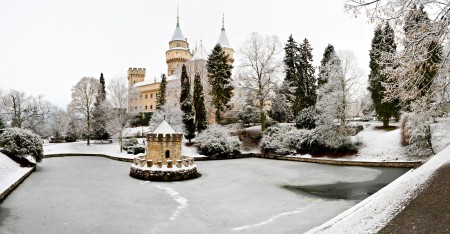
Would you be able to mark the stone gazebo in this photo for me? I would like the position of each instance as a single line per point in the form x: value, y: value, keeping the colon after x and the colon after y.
x: 163, y: 160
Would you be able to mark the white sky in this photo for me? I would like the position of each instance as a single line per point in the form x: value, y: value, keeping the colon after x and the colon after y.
x: 46, y: 46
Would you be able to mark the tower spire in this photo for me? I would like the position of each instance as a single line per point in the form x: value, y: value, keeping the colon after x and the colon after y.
x: 223, y: 21
x: 178, y: 14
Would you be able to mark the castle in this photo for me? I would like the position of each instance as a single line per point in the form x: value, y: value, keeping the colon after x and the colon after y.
x: 143, y: 93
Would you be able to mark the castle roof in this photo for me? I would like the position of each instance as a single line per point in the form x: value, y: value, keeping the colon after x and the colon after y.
x: 200, y: 53
x: 223, y: 39
x: 164, y: 128
x: 177, y: 34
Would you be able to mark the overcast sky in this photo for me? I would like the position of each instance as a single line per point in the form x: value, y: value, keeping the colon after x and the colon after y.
x: 46, y: 46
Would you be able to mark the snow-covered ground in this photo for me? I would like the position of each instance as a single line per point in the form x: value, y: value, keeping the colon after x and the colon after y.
x: 375, y: 212
x: 10, y: 172
x: 111, y: 149
x: 377, y: 145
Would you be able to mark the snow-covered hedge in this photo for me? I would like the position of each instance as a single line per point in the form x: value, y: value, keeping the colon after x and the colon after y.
x: 20, y: 143
x: 286, y: 139
x: 283, y: 140
x: 328, y: 139
x: 416, y: 134
x: 215, y: 141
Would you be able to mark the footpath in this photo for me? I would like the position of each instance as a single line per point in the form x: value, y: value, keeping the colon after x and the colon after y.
x: 429, y: 212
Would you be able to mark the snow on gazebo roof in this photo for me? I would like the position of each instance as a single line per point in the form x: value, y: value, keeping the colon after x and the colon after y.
x: 164, y: 128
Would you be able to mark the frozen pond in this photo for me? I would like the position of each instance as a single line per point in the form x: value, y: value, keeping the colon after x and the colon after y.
x: 96, y: 195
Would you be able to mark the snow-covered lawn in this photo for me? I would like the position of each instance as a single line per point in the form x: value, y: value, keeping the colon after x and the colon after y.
x: 375, y: 212
x: 111, y: 149
x: 10, y: 172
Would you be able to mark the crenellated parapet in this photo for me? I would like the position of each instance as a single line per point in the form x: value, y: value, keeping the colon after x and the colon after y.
x: 135, y: 75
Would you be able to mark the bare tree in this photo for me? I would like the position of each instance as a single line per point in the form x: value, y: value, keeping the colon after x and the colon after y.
x: 260, y: 69
x: 83, y: 99
x: 118, y: 100
x: 25, y: 111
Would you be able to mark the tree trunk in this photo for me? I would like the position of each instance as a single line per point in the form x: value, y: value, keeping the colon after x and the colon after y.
x: 88, y: 136
x: 385, y: 122
x: 120, y: 141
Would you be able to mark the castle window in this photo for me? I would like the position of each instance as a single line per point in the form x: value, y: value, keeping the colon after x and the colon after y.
x: 141, y: 96
x: 146, y: 107
x: 178, y: 44
x: 167, y: 154
x: 151, y: 107
x: 145, y: 96
x: 151, y: 95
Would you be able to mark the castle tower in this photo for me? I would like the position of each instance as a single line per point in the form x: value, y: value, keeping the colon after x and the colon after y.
x: 135, y: 75
x: 178, y: 52
x: 164, y: 144
x: 223, y: 41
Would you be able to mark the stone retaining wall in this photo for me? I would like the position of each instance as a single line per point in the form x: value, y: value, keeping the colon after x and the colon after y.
x: 158, y: 175
x: 277, y: 157
x: 16, y: 184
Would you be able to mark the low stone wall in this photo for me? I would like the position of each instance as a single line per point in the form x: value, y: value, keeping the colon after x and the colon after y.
x: 16, y: 184
x: 320, y: 161
x: 160, y: 175
x: 94, y: 155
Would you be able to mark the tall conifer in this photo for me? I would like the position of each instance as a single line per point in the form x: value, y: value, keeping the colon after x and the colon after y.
x: 219, y: 73
x: 186, y: 105
x: 199, y: 104
x: 161, y: 98
x: 323, y: 73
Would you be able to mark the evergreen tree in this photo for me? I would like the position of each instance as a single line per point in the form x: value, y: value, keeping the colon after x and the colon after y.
x: 382, y: 42
x: 161, y: 98
x: 2, y: 124
x: 219, y: 73
x: 291, y: 63
x: 99, y: 114
x: 307, y: 78
x: 186, y: 105
x: 199, y: 104
x: 323, y: 74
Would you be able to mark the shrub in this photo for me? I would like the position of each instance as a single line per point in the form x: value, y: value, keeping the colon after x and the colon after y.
x: 307, y: 118
x: 328, y: 139
x: 215, y: 141
x: 136, y: 149
x: 249, y: 114
x: 417, y: 133
x: 70, y: 137
x: 20, y: 143
x: 129, y: 143
x: 283, y: 140
x: 249, y: 138
x: 353, y: 130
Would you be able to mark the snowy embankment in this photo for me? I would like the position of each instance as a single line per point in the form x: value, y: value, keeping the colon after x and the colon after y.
x: 372, y: 214
x: 377, y: 145
x: 10, y: 172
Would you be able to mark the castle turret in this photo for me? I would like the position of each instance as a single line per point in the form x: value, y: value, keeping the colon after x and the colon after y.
x: 178, y: 52
x: 223, y: 41
x: 135, y: 75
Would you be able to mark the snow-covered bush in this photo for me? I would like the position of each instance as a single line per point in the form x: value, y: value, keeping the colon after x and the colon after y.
x: 20, y: 143
x: 307, y: 118
x: 215, y: 141
x: 249, y: 114
x: 328, y: 139
x: 70, y: 137
x: 283, y: 140
x: 171, y: 113
x: 417, y: 129
x: 136, y: 149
